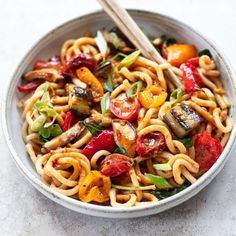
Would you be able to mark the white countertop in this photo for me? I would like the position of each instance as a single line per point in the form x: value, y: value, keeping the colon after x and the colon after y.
x: 25, y: 211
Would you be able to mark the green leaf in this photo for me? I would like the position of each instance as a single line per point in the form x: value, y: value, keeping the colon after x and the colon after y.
x: 177, y: 95
x: 166, y: 194
x: 134, y: 89
x: 101, y: 42
x: 163, y: 167
x: 105, y: 103
x: 133, y: 188
x: 109, y: 84
x: 170, y: 41
x: 38, y: 122
x: 115, y: 40
x: 55, y: 131
x: 187, y: 142
x: 119, y: 54
x: 205, y: 52
x: 121, y: 151
x: 159, y: 181
x: 129, y: 60
x: 93, y: 128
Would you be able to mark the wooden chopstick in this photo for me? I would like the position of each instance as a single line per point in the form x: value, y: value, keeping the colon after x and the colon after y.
x: 132, y: 31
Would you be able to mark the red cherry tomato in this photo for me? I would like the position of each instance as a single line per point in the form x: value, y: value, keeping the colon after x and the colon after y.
x: 116, y: 164
x: 125, y: 108
x: 150, y: 144
x: 208, y: 150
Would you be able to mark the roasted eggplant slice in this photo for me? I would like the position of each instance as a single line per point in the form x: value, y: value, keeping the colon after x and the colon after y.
x: 125, y: 136
x: 65, y: 137
x: 182, y: 119
x: 80, y: 100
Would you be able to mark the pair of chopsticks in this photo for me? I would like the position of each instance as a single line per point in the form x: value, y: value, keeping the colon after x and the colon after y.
x: 131, y: 30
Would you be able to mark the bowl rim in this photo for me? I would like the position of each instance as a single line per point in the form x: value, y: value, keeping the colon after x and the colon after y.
x: 197, y: 186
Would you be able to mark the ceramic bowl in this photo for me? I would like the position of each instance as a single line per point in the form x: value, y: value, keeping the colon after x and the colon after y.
x: 155, y: 25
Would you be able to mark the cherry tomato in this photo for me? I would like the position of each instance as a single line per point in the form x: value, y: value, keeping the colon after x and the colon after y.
x: 116, y: 164
x: 208, y: 150
x: 125, y: 108
x: 176, y: 54
x: 150, y: 144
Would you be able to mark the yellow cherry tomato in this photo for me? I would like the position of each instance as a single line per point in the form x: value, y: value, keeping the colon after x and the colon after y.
x: 86, y: 76
x: 153, y: 97
x: 95, y: 187
x: 176, y: 54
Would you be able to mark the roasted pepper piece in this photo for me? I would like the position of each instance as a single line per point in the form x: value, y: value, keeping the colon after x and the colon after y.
x: 104, y: 141
x: 86, y: 76
x: 176, y: 54
x: 95, y: 187
x: 152, y: 97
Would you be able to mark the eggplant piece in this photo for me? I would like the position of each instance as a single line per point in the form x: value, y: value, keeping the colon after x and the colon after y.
x: 80, y: 100
x: 125, y: 136
x: 65, y: 137
x: 103, y: 70
x: 182, y: 119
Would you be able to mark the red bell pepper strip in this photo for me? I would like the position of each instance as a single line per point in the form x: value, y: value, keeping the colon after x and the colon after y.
x: 104, y: 141
x: 29, y: 86
x: 68, y: 121
x: 191, y: 78
x: 194, y: 61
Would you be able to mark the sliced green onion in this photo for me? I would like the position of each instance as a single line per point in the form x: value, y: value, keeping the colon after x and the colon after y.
x: 121, y: 150
x: 115, y: 40
x: 38, y: 122
x: 109, y: 84
x: 101, y: 42
x: 187, y: 142
x: 133, y: 188
x: 205, y: 52
x: 46, y: 97
x: 39, y: 105
x: 119, y: 54
x: 46, y: 86
x: 163, y: 167
x: 159, y: 181
x: 55, y: 130
x: 177, y: 95
x: 45, y: 133
x: 105, y: 103
x: 43, y: 107
x: 170, y: 41
x: 48, y: 124
x: 137, y: 86
x: 94, y: 129
x: 129, y: 60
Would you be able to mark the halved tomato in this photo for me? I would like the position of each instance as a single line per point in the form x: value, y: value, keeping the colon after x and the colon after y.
x: 116, y: 164
x: 125, y: 108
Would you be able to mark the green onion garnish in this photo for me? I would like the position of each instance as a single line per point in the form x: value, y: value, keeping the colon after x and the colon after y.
x: 163, y: 167
x: 129, y: 60
x: 38, y: 122
x: 105, y: 103
x: 109, y: 84
x: 115, y: 40
x: 133, y: 188
x: 159, y: 181
x: 101, y: 42
x: 134, y: 89
x: 177, y: 95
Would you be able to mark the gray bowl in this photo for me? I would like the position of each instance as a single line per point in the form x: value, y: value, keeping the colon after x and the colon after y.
x: 154, y: 24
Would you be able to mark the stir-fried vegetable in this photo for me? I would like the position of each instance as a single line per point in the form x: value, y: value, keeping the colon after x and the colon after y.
x: 105, y: 103
x: 129, y: 60
x: 133, y: 188
x: 109, y: 84
x: 153, y: 97
x: 93, y: 128
x: 29, y: 86
x: 125, y: 135
x: 159, y: 181
x: 101, y: 43
x: 187, y: 142
x: 125, y: 108
x: 176, y: 54
x: 182, y: 119
x: 176, y: 95
x: 115, y: 165
x: 47, y: 134
x: 134, y: 89
x: 103, y: 141
x: 86, y: 76
x: 205, y: 52
x: 95, y: 187
x: 150, y: 144
x: 163, y: 167
x: 68, y: 121
x: 121, y: 150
